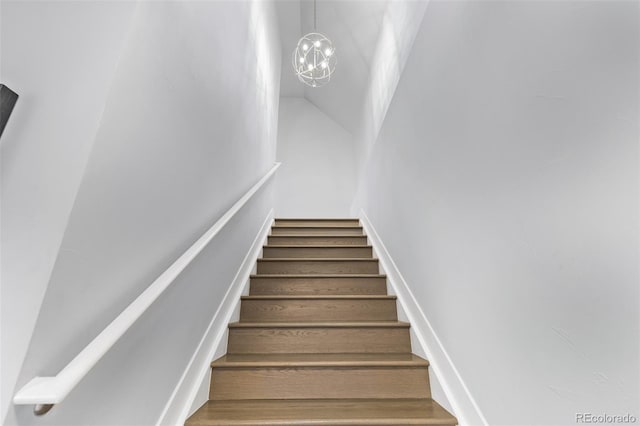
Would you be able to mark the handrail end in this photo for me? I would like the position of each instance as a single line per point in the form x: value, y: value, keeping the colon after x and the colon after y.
x: 42, y: 409
x: 40, y: 390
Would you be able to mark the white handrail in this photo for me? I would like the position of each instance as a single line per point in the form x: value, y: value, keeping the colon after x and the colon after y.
x: 46, y: 391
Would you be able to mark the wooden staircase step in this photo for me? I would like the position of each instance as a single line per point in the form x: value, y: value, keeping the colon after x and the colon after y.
x: 294, y: 376
x: 318, y: 308
x: 322, y: 412
x: 317, y: 222
x: 318, y: 251
x: 318, y: 266
x: 317, y: 230
x: 278, y: 240
x: 319, y: 337
x: 329, y: 284
x: 338, y: 324
x: 321, y: 360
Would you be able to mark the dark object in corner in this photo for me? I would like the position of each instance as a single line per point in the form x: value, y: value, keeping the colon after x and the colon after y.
x: 8, y: 99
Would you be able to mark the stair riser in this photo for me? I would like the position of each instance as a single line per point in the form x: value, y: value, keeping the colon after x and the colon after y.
x: 401, y: 421
x: 296, y: 230
x: 318, y: 286
x: 319, y: 340
x: 318, y: 310
x: 318, y: 267
x: 322, y: 412
x: 319, y: 382
x: 314, y: 252
x: 317, y: 240
x: 318, y: 223
x: 305, y: 422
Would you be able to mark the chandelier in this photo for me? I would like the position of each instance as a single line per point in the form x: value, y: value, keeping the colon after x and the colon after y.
x: 314, y: 59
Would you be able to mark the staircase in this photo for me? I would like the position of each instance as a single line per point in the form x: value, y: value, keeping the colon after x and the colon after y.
x: 319, y: 341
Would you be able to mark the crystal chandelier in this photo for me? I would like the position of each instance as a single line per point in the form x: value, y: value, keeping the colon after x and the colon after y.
x: 314, y: 59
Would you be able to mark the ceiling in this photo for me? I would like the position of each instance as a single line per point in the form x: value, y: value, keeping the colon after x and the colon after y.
x: 353, y: 26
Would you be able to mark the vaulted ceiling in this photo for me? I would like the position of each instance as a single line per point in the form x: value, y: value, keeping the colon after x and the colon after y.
x: 353, y: 26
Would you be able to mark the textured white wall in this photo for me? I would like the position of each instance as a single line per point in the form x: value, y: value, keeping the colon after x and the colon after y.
x: 317, y: 176
x: 60, y: 57
x: 183, y: 135
x: 504, y: 183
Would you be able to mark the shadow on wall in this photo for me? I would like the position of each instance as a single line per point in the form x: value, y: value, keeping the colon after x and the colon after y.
x: 399, y: 27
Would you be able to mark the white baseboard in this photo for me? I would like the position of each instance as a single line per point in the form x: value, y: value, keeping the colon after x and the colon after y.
x: 462, y: 402
x: 195, y: 375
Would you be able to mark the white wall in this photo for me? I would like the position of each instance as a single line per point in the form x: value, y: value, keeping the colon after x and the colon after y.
x: 400, y: 24
x: 60, y: 58
x: 504, y: 184
x: 288, y: 12
x: 183, y: 135
x: 317, y: 176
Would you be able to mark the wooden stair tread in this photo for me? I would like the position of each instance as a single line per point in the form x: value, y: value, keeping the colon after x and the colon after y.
x: 319, y: 219
x: 325, y: 324
x: 303, y: 246
x: 305, y: 226
x: 311, y: 284
x: 316, y: 251
x: 318, y: 265
x: 316, y: 227
x: 276, y: 276
x: 333, y: 238
x: 317, y: 230
x: 336, y: 235
x: 319, y: 259
x: 321, y: 297
x: 327, y: 412
x: 320, y: 360
x: 309, y: 225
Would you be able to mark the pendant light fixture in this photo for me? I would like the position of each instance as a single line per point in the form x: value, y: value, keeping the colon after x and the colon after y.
x: 314, y: 59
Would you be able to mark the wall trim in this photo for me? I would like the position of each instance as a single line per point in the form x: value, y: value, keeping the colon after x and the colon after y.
x: 464, y: 405
x: 184, y: 394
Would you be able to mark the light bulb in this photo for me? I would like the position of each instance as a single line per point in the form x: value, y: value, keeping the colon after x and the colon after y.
x: 305, y: 46
x: 302, y: 60
x: 317, y: 43
x: 310, y: 67
x: 323, y: 64
x: 328, y: 52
